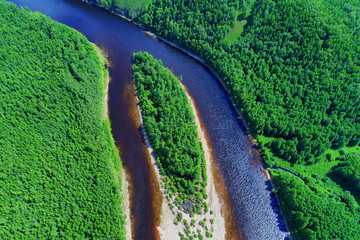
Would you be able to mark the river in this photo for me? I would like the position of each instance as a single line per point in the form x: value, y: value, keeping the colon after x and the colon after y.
x: 255, y: 207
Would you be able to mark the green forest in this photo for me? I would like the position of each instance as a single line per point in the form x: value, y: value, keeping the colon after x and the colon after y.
x: 60, y: 171
x: 296, y: 84
x: 294, y: 72
x: 313, y: 212
x: 169, y: 123
x: 293, y: 69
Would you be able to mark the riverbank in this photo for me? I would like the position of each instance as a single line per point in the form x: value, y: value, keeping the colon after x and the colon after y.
x: 262, y: 165
x: 120, y: 175
x: 200, y: 60
x: 212, y: 222
x: 259, y: 160
x: 253, y: 140
x: 105, y: 80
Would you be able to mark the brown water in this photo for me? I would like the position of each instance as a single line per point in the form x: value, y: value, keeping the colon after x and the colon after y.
x: 247, y: 195
x: 141, y: 175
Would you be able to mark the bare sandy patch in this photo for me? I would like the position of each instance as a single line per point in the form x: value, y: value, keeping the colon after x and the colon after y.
x: 126, y: 203
x: 105, y: 79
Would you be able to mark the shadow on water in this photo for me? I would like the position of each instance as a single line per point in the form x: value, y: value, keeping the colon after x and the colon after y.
x: 275, y: 206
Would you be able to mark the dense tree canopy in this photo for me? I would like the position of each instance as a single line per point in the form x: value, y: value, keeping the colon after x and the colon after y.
x: 168, y: 118
x: 294, y: 72
x: 313, y: 213
x: 169, y: 123
x: 306, y: 78
x: 57, y: 157
x: 347, y: 173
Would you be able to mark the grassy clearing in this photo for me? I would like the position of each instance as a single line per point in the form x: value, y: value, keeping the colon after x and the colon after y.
x: 319, y: 171
x: 125, y: 7
x: 321, y: 167
x: 239, y: 24
x: 132, y: 5
x: 236, y: 30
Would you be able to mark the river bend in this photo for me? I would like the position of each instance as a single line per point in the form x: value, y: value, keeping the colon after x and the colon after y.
x: 255, y: 206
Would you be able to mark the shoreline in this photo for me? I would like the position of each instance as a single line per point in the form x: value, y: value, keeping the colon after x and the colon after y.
x: 232, y: 227
x: 167, y: 228
x: 214, y: 201
x: 263, y: 165
x: 200, y: 60
x: 126, y: 204
x: 124, y: 191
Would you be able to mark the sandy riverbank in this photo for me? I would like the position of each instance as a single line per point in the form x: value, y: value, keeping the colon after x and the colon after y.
x: 213, y: 220
x: 126, y: 204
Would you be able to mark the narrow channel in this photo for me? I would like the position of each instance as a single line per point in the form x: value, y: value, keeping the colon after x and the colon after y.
x: 254, y: 205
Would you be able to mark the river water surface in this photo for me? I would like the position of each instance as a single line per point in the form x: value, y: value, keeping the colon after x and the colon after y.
x: 255, y: 208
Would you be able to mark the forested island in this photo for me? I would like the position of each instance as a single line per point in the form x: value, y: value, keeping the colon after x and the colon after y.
x: 60, y: 172
x: 293, y: 70
x: 169, y: 123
